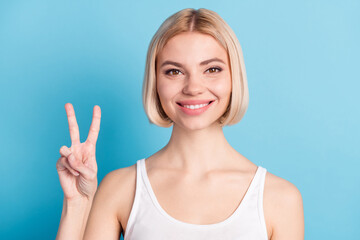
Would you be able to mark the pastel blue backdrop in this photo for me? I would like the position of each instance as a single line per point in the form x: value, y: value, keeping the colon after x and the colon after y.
x: 302, y: 124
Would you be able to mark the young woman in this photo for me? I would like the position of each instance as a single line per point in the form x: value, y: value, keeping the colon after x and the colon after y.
x: 197, y: 186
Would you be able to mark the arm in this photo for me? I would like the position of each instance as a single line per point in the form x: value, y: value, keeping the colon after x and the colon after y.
x: 288, y: 213
x: 103, y: 222
x: 74, y: 218
x: 112, y: 205
x: 77, y: 171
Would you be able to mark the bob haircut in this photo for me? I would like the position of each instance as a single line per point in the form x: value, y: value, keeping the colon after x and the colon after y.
x: 207, y: 22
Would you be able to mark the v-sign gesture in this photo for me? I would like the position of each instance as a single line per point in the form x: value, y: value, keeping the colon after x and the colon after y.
x: 77, y: 166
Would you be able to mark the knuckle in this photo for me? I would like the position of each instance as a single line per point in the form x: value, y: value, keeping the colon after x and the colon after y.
x: 63, y: 160
x: 94, y: 129
x: 62, y: 149
x: 60, y: 162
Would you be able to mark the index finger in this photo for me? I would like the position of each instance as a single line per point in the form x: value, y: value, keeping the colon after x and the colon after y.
x: 73, y: 126
x: 95, y: 125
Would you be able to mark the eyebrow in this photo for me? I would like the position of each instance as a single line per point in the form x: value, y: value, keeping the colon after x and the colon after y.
x: 201, y: 64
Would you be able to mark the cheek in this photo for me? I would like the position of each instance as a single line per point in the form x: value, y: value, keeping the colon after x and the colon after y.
x: 166, y: 91
x: 223, y: 88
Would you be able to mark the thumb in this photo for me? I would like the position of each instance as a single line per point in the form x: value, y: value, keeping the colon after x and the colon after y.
x: 79, y: 166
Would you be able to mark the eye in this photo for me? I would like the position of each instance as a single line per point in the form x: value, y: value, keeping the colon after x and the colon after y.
x: 214, y: 70
x: 172, y: 72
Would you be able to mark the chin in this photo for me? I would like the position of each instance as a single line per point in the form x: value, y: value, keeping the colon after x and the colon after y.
x: 196, y: 124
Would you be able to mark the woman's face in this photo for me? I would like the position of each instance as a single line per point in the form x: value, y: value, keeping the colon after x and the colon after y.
x: 193, y: 70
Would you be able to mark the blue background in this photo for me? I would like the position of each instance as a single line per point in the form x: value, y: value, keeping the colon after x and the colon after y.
x: 302, y: 124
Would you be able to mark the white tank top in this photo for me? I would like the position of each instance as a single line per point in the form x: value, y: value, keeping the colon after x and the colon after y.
x: 149, y: 221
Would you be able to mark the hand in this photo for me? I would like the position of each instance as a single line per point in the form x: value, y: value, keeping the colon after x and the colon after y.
x: 77, y: 166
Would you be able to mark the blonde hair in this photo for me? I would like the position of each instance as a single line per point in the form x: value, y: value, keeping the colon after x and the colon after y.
x: 207, y: 22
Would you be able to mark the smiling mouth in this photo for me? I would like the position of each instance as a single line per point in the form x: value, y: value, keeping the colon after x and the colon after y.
x: 195, y: 106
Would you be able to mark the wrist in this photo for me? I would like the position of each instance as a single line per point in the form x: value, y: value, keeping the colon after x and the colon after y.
x: 78, y: 206
x: 74, y: 217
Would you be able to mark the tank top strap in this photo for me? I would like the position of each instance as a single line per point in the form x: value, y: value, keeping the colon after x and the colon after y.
x: 135, y: 206
x: 260, y: 198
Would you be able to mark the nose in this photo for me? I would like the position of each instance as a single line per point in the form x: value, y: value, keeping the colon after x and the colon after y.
x: 193, y: 85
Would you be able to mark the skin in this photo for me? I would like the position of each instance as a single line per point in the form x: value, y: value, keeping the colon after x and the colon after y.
x: 77, y: 171
x: 197, y: 159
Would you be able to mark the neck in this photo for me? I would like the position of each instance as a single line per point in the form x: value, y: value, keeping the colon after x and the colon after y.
x: 198, y: 151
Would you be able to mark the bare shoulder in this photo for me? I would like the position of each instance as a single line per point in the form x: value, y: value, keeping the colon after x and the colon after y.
x: 114, y: 193
x: 119, y: 187
x: 280, y: 190
x: 283, y: 208
x: 116, y: 180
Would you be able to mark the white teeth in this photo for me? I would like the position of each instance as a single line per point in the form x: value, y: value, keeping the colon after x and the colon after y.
x: 196, y: 106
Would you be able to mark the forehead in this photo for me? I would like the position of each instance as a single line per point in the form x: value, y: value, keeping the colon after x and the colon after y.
x: 192, y: 47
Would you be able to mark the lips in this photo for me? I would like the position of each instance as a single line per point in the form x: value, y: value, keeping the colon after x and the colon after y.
x: 196, y: 110
x: 194, y: 102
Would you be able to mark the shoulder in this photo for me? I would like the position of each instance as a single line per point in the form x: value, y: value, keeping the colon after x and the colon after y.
x: 114, y: 193
x: 117, y: 189
x: 283, y: 208
x: 118, y: 179
x: 280, y: 190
